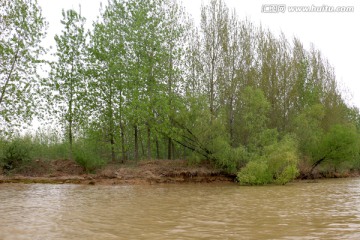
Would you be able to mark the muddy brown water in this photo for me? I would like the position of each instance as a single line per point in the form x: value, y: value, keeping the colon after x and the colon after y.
x: 327, y: 209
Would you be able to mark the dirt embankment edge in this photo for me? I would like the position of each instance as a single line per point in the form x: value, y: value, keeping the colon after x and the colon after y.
x: 145, y: 172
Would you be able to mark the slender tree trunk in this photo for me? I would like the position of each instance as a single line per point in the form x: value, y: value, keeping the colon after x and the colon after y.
x: 70, y: 110
x: 184, y: 153
x: 173, y: 149
x: 316, y: 164
x: 70, y: 137
x: 157, y: 148
x: 141, y: 145
x: 122, y: 130
x: 122, y: 136
x: 212, y: 91
x: 231, y: 122
x: 212, y: 76
x: 112, y: 137
x: 112, y: 143
x: 111, y: 121
x: 9, y: 76
x: 148, y: 143
x: 136, y: 150
x: 323, y: 159
x: 170, y: 100
x: 169, y: 148
x: 70, y: 122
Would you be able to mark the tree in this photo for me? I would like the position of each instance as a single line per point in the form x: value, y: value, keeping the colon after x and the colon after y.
x: 68, y: 76
x: 151, y: 59
x: 214, y: 19
x: 175, y: 34
x: 21, y: 29
x: 252, y: 117
x: 307, y: 127
x: 135, y: 54
x: 339, y: 145
x: 108, y: 75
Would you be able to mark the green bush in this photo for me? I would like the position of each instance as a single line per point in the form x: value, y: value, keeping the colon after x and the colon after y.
x: 15, y: 154
x: 289, y: 173
x: 86, y: 155
x: 283, y: 159
x: 255, y: 173
x: 88, y: 160
x: 228, y: 158
x: 277, y: 165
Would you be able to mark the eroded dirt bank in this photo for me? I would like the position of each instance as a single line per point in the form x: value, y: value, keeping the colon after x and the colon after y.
x: 145, y: 172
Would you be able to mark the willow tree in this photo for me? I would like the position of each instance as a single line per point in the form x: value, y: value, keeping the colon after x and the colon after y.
x: 67, y: 75
x: 22, y: 27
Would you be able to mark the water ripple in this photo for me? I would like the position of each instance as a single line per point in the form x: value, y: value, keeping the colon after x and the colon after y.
x: 329, y: 209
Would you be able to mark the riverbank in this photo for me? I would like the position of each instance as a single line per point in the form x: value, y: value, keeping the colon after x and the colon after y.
x: 145, y: 172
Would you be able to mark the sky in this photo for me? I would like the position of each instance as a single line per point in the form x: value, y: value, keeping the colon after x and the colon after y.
x: 335, y: 34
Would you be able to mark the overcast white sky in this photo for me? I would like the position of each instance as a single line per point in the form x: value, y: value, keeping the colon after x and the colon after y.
x: 337, y: 35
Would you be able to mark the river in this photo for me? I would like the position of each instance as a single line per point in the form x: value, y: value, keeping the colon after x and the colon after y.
x: 326, y: 209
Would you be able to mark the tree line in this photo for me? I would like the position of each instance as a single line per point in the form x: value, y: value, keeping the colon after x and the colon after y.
x: 147, y: 83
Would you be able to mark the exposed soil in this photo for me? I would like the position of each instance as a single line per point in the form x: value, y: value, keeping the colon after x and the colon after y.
x: 145, y: 172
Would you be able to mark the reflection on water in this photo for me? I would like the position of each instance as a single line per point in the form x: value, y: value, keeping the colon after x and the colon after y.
x: 328, y: 209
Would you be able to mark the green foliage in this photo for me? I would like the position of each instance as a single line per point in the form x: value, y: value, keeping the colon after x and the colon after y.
x: 66, y: 82
x: 266, y: 138
x: 256, y: 172
x: 307, y: 127
x: 338, y: 146
x: 88, y: 151
x: 342, y: 142
x: 228, y: 158
x: 353, y: 116
x: 253, y: 117
x: 87, y: 159
x: 48, y: 144
x: 22, y: 28
x: 15, y: 153
x: 277, y: 165
x: 287, y: 174
x: 282, y: 159
x: 145, y: 80
x: 86, y: 154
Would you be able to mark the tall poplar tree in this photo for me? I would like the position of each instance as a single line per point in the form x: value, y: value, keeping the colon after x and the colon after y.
x: 22, y: 27
x: 68, y: 80
x: 107, y: 53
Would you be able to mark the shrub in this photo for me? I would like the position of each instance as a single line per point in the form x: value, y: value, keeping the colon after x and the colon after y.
x: 255, y: 173
x: 228, y: 158
x: 277, y: 165
x: 88, y: 160
x: 288, y: 174
x: 283, y: 159
x: 15, y: 153
x: 86, y: 154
